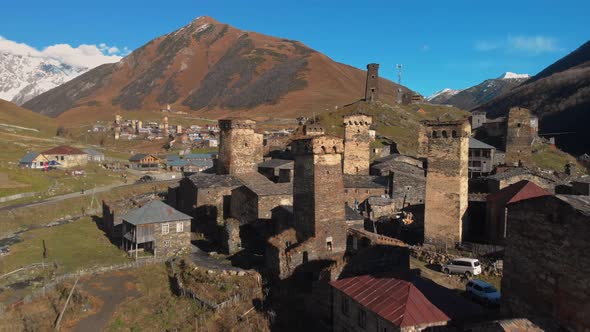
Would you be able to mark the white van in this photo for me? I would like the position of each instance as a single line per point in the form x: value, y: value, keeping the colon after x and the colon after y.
x: 467, y: 266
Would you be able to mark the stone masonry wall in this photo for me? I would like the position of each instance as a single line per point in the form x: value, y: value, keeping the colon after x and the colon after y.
x: 546, y: 264
x: 518, y: 137
x: 357, y: 152
x: 174, y: 242
x: 446, y: 182
x: 240, y: 148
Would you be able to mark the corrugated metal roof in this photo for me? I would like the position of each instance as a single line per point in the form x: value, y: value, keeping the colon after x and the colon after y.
x: 154, y: 212
x: 395, y: 300
x: 477, y: 144
x: 28, y: 158
x: 518, y: 191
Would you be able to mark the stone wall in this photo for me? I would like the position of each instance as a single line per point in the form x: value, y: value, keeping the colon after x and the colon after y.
x: 357, y: 142
x: 361, y: 194
x: 446, y: 182
x: 231, y: 241
x: 175, y: 241
x: 518, y: 137
x: 249, y: 207
x: 240, y: 148
x: 546, y: 265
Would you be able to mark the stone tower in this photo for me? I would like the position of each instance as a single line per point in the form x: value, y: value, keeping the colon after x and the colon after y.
x: 446, y: 181
x: 478, y: 118
x: 240, y: 148
x: 372, y: 85
x: 357, y: 141
x: 318, y: 192
x: 118, y: 120
x: 519, y: 137
x: 166, y: 131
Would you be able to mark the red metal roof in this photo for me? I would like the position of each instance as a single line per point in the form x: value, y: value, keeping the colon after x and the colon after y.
x: 518, y: 191
x: 395, y: 300
x: 64, y: 149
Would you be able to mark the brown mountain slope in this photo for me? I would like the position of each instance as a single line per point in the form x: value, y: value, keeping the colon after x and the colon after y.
x: 215, y: 69
x: 560, y: 96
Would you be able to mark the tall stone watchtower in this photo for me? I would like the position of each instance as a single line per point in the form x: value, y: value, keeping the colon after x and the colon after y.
x: 357, y: 141
x: 240, y: 148
x: 519, y: 137
x: 372, y: 85
x: 446, y: 181
x: 318, y: 192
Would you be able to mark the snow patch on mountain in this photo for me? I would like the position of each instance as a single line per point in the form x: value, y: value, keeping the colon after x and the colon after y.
x: 448, y: 93
x: 23, y: 77
x: 510, y: 75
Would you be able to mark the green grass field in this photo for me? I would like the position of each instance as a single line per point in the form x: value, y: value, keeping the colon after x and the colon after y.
x: 73, y: 246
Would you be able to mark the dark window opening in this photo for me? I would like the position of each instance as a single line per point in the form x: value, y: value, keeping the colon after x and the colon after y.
x: 444, y: 134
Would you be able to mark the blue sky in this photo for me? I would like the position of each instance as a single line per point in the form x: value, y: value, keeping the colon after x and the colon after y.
x: 441, y: 44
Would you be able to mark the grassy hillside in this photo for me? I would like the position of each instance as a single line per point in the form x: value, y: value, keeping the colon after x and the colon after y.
x: 399, y: 122
x: 18, y: 120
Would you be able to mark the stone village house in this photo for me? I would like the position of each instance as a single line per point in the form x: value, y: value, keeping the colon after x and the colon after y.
x: 157, y: 228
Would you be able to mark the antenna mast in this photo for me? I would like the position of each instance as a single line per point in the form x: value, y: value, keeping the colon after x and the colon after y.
x: 399, y: 74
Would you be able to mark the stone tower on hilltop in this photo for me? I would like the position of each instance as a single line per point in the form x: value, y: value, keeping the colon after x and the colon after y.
x: 519, y: 137
x: 372, y: 85
x: 446, y: 181
x: 357, y: 143
x: 240, y: 148
x: 318, y: 193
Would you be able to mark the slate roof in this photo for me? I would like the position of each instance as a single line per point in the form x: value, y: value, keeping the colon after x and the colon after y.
x: 578, y: 202
x: 517, y: 192
x: 582, y: 179
x: 274, y: 163
x: 395, y: 300
x: 351, y: 214
x: 154, y: 212
x: 476, y: 144
x: 271, y: 189
x: 213, y: 180
x: 364, y: 181
x: 28, y: 158
x: 64, y: 149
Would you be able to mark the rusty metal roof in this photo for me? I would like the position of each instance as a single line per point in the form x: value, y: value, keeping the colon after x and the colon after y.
x: 518, y: 191
x: 395, y: 300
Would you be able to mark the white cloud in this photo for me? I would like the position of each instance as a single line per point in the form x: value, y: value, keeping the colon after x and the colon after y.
x: 533, y: 44
x: 84, y: 55
x: 485, y: 46
x: 520, y: 44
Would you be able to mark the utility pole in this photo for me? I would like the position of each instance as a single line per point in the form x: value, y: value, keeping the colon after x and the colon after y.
x: 65, y: 305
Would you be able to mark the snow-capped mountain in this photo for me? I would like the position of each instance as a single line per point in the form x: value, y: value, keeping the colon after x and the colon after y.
x: 510, y: 75
x: 23, y: 77
x: 481, y: 93
x: 442, y: 94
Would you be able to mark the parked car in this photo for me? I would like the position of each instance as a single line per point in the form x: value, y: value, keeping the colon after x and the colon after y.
x: 466, y: 266
x: 481, y: 291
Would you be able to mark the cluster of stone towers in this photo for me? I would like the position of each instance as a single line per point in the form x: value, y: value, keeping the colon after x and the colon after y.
x: 240, y: 147
x: 446, y: 181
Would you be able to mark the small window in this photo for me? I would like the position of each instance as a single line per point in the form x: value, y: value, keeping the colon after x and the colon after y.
x: 167, y: 244
x: 179, y: 227
x: 444, y: 134
x: 518, y: 125
x: 362, y: 318
x: 287, y: 244
x: 345, y: 305
x: 62, y: 157
x: 454, y: 134
x: 434, y: 134
x: 165, y: 228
